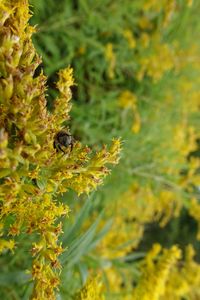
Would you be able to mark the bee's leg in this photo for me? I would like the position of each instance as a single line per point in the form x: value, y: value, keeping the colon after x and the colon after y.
x: 61, y: 149
x: 71, y: 147
x: 56, y: 147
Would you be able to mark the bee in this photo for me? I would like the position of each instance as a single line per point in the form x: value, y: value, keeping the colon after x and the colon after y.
x: 63, y: 140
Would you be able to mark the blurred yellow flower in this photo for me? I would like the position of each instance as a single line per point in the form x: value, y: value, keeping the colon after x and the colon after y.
x: 189, y: 2
x: 145, y: 39
x: 128, y: 100
x: 92, y: 290
x: 111, y: 59
x: 155, y: 273
x: 128, y: 35
x: 156, y: 64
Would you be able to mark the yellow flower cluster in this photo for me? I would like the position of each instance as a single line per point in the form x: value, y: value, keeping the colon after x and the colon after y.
x: 184, y: 280
x: 161, y: 56
x: 111, y: 59
x: 92, y: 290
x: 32, y: 173
x: 168, y: 7
x: 128, y: 35
x: 164, y: 274
x: 159, y: 60
x: 5, y: 244
x: 184, y: 139
x: 139, y: 207
x: 155, y: 273
x: 128, y: 100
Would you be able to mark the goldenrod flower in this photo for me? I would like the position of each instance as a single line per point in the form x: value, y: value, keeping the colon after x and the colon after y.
x: 128, y: 100
x: 189, y: 2
x: 184, y: 280
x: 93, y: 290
x: 33, y: 174
x: 128, y: 35
x: 111, y: 59
x: 159, y: 61
x: 155, y: 273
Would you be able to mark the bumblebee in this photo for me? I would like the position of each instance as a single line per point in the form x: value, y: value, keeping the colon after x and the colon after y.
x: 63, y: 140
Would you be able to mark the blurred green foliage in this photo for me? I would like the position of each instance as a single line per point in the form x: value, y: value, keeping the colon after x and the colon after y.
x: 78, y: 32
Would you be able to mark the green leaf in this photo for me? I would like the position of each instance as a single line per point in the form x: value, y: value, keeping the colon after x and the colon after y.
x: 14, y: 278
x: 83, y: 215
x: 41, y: 183
x: 101, y: 234
x: 80, y: 245
x: 83, y: 269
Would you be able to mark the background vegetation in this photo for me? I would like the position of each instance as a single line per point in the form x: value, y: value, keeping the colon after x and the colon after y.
x: 136, y: 68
